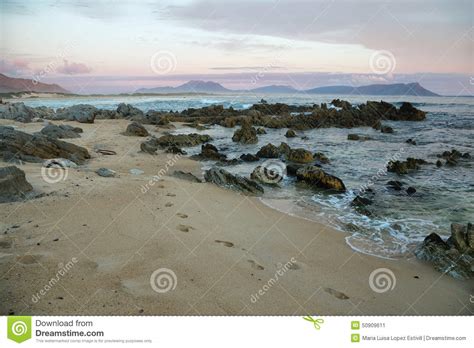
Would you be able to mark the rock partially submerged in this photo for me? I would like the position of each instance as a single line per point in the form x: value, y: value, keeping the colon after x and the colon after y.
x: 13, y: 184
x: 34, y: 148
x: 136, y: 129
x: 62, y: 131
x: 223, y: 178
x: 452, y: 157
x: 357, y: 137
x: 455, y: 256
x: 318, y: 178
x: 403, y: 167
x: 266, y: 175
x: 269, y: 151
x: 210, y: 152
x: 246, y: 134
x: 290, y: 133
x: 300, y: 156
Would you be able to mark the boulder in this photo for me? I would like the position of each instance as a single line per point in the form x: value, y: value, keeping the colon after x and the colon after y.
x: 292, y: 168
x: 386, y: 129
x: 357, y: 137
x: 34, y: 148
x: 223, y: 178
x: 300, y: 156
x: 136, y: 129
x: 106, y: 173
x: 175, y: 150
x: 210, y: 152
x: 408, y: 112
x: 395, y: 185
x: 82, y: 113
x: 267, y: 175
x: 284, y: 149
x: 410, y: 141
x: 360, y: 204
x: 260, y: 130
x: 447, y: 257
x: 13, y: 184
x: 17, y: 112
x: 130, y: 112
x: 246, y: 134
x: 61, y: 132
x: 321, y: 158
x: 411, y: 190
x: 182, y: 140
x: 268, y: 151
x: 290, y: 133
x: 318, y: 178
x: 186, y: 176
x: 248, y: 157
x: 403, y: 167
x: 150, y: 146
x: 341, y: 104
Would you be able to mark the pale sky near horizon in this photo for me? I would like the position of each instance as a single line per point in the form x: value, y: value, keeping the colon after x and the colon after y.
x: 118, y: 46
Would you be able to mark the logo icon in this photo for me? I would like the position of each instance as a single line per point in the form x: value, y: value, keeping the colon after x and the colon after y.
x: 355, y: 338
x: 355, y: 325
x: 19, y: 328
x: 382, y: 280
x: 163, y: 280
x: 316, y: 322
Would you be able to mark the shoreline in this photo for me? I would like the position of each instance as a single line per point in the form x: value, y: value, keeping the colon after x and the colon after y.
x: 222, y: 247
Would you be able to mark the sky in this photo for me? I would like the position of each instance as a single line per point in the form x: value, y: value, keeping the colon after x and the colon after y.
x: 120, y: 46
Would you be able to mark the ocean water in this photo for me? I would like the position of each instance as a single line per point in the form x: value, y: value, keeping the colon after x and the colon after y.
x: 400, y: 221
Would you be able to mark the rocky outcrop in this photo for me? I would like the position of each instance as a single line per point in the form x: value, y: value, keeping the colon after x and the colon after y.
x: 269, y: 151
x: 455, y: 256
x: 13, y: 184
x: 452, y: 157
x: 82, y: 113
x: 130, y: 112
x: 223, y: 178
x: 246, y: 134
x: 210, y: 152
x: 341, y: 104
x: 136, y: 129
x: 17, y: 112
x: 61, y: 132
x: 182, y: 140
x: 300, y: 156
x: 321, y: 158
x: 186, y: 176
x: 318, y: 178
x: 403, y: 167
x: 34, y: 148
x: 248, y: 157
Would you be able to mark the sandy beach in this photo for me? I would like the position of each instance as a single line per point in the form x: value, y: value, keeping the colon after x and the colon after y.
x: 230, y: 254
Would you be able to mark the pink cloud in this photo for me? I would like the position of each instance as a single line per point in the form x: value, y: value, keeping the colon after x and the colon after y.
x: 14, y: 67
x: 71, y: 68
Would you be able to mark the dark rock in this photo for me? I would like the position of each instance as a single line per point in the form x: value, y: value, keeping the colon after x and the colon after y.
x: 341, y: 104
x: 186, y: 176
x: 182, y: 140
x: 210, y: 152
x: 411, y: 141
x: 439, y: 163
x: 321, y: 158
x: 175, y: 150
x: 316, y: 177
x: 81, y: 113
x: 459, y: 237
x: 403, y: 167
x: 130, y: 112
x: 136, y: 129
x: 61, y: 131
x: 411, y: 190
x: 357, y: 137
x: 360, y: 205
x: 267, y: 175
x: 453, y: 157
x: 225, y: 179
x: 17, y: 112
x: 13, y: 184
x: 33, y: 148
x: 248, y: 157
x: 446, y: 259
x: 395, y: 185
x: 150, y: 146
x: 246, y: 134
x: 290, y: 133
x: 268, y: 151
x: 260, y: 130
x: 106, y: 173
x: 386, y: 129
x: 300, y: 156
x: 408, y: 112
x: 292, y: 168
x: 284, y: 149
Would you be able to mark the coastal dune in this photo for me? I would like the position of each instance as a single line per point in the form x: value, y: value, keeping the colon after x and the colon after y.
x: 146, y: 242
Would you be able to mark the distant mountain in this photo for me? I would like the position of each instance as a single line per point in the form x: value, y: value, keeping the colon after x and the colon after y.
x: 215, y: 88
x: 193, y: 86
x: 393, y: 89
x: 11, y: 84
x: 275, y: 89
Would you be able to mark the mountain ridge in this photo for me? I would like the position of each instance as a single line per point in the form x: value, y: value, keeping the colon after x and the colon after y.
x: 197, y: 86
x: 14, y: 85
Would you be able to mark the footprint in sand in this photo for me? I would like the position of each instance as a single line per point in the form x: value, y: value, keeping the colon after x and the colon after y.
x: 336, y: 294
x: 181, y: 215
x: 185, y: 228
x: 169, y: 204
x: 171, y: 195
x: 225, y: 243
x: 255, y: 265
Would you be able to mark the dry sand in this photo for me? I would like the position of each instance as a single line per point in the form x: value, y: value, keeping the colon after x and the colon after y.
x: 224, y: 248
